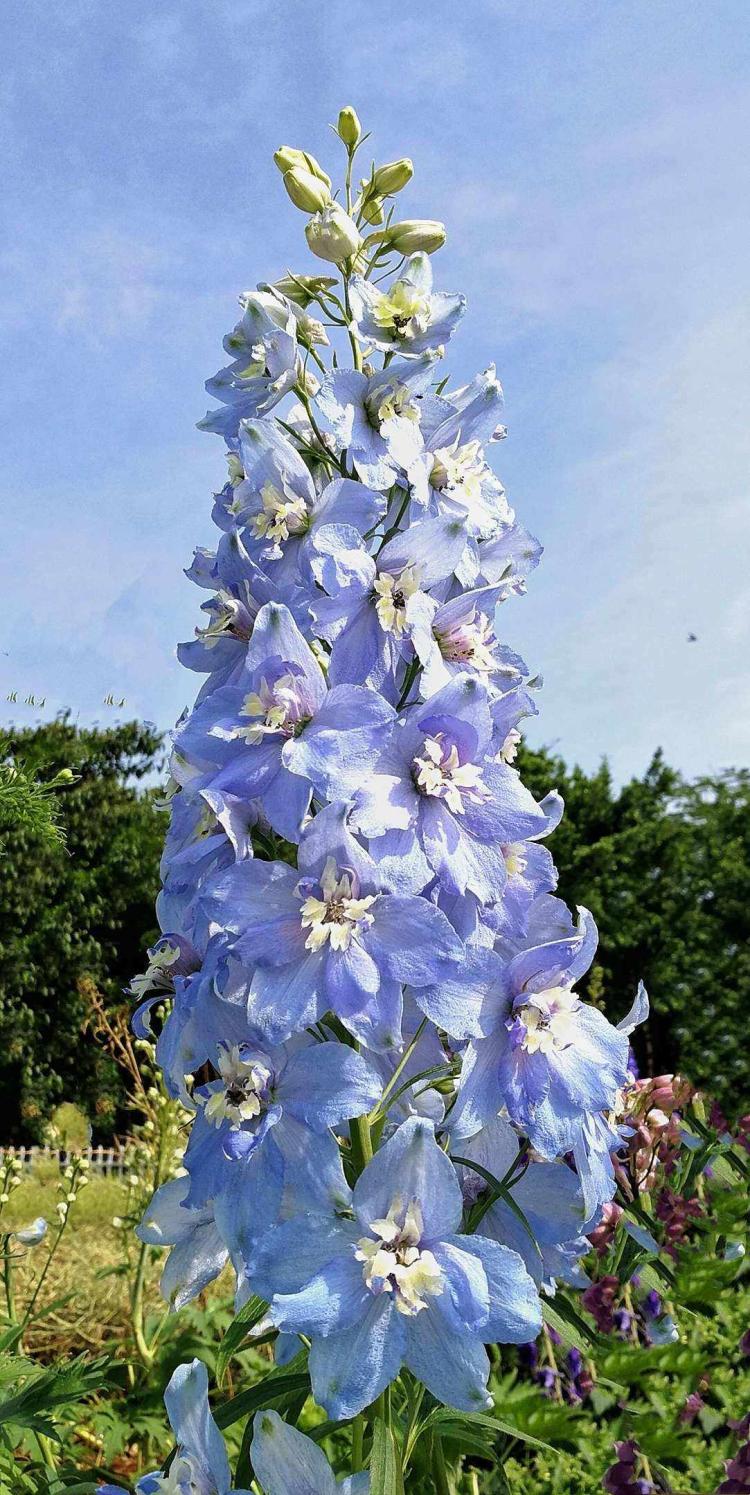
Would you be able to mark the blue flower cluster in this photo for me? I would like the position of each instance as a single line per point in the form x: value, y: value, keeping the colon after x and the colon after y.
x: 404, y: 1114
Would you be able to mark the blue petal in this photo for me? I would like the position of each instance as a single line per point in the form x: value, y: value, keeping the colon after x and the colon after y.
x: 470, y: 1002
x: 342, y: 742
x: 285, y: 1461
x: 326, y: 1084
x: 349, y: 1370
x: 452, y: 1365
x: 412, y: 940
x: 515, y: 1313
x: 186, y: 1401
x: 411, y: 1166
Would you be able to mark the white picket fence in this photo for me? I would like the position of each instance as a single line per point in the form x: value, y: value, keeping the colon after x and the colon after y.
x: 110, y: 1161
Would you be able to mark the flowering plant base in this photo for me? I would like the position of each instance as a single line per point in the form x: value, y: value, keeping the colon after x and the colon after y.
x: 403, y: 1113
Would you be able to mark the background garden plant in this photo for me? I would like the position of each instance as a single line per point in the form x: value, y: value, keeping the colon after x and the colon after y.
x: 403, y: 1116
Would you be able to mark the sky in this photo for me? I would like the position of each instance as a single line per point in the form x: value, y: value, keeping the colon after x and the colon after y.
x: 590, y: 159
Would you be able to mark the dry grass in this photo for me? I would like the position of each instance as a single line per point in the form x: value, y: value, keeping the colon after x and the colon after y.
x: 84, y: 1299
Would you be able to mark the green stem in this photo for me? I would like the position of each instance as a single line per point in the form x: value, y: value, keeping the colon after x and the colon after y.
x: 136, y: 1309
x: 8, y: 1279
x: 358, y: 1439
x: 394, y: 528
x: 414, y: 1406
x: 43, y: 1274
x: 397, y: 1073
x: 439, y: 1470
x: 359, y: 1131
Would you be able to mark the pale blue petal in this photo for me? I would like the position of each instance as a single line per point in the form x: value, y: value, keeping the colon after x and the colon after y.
x: 411, y: 1166
x: 349, y: 1370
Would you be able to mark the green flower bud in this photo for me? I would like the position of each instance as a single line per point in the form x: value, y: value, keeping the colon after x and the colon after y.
x: 307, y: 192
x: 348, y: 127
x: 287, y: 158
x: 301, y: 289
x: 372, y: 210
x: 332, y: 234
x: 416, y: 233
x: 388, y: 179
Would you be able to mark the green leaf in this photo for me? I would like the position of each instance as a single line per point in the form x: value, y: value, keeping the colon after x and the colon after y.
x: 249, y: 1315
x: 569, y: 1324
x: 385, y: 1465
x: 454, y: 1425
x: 275, y: 1390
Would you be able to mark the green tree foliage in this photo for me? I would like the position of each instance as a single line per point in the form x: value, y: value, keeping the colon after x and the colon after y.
x: 73, y: 912
x: 664, y: 866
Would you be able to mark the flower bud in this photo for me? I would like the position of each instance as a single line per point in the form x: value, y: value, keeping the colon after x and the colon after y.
x: 388, y: 179
x: 307, y: 191
x: 332, y: 234
x: 372, y: 210
x: 301, y: 289
x: 416, y: 233
x: 289, y: 159
x: 348, y: 127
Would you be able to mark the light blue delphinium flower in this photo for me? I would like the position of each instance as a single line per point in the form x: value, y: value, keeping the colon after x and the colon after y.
x: 275, y: 1105
x: 277, y: 732
x: 200, y: 1465
x: 329, y: 934
x: 280, y: 511
x: 240, y: 590
x: 263, y: 370
x: 397, y: 1284
x: 553, y: 1062
x: 453, y: 476
x: 459, y: 635
x: 375, y: 418
x: 441, y: 802
x: 208, y: 831
x: 408, y: 318
x: 548, y: 1196
x: 286, y: 1462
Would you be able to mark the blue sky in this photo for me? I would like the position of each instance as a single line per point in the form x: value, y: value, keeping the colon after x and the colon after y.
x: 591, y: 161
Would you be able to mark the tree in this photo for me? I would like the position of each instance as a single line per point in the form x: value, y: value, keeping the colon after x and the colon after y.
x: 73, y: 914
x: 664, y: 866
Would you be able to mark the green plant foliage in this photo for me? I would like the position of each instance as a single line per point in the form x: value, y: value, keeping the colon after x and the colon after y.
x: 73, y: 916
x: 664, y: 866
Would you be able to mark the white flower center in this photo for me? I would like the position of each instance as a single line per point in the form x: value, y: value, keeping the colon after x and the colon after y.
x: 182, y: 1478
x: 228, y: 616
x: 396, y: 400
x: 458, y: 470
x: 549, y: 1020
x: 394, y: 1263
x: 440, y: 773
x: 282, y: 515
x: 279, y: 707
x: 509, y: 748
x: 339, y: 914
x: 515, y: 858
x: 156, y: 977
x: 393, y: 593
x: 404, y: 311
x: 235, y: 470
x: 470, y: 642
x: 245, y: 1078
